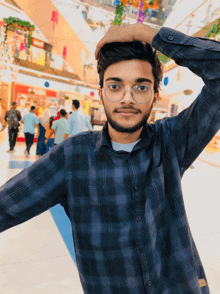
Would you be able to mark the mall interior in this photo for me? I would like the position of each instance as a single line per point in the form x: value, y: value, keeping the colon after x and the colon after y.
x: 47, y: 58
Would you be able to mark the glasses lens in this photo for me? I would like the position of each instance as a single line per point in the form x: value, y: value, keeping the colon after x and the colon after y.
x: 142, y: 93
x: 114, y: 92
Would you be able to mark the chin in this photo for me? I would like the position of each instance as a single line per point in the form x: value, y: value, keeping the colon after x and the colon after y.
x: 126, y: 127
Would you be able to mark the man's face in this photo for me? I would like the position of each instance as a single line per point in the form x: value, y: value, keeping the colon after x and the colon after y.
x: 127, y: 115
x: 14, y: 106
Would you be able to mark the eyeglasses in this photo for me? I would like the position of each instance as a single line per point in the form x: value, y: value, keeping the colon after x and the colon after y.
x: 139, y: 93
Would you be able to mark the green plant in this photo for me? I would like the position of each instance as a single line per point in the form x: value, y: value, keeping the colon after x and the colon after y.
x: 118, y: 14
x: 15, y: 23
x: 163, y: 58
x: 215, y: 30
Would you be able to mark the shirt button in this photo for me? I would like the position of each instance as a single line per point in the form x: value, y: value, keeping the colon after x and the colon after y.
x: 170, y: 38
x: 149, y: 283
x: 138, y: 218
x: 142, y: 250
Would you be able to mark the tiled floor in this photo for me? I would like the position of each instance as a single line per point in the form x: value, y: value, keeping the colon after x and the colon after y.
x: 37, y: 258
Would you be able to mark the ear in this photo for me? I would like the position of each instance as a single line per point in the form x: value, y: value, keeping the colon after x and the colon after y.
x: 100, y: 95
x: 156, y: 96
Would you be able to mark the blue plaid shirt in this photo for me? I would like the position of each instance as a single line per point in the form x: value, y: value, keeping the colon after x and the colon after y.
x: 129, y: 223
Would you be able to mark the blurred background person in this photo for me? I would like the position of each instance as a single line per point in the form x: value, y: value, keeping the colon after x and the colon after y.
x: 30, y: 120
x: 12, y: 118
x: 59, y: 128
x: 50, y: 142
x: 44, y: 119
x: 77, y: 122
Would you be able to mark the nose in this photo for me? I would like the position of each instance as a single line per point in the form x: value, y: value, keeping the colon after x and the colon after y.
x: 127, y: 98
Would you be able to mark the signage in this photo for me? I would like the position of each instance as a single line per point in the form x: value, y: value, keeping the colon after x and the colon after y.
x: 166, y: 81
x: 38, y: 43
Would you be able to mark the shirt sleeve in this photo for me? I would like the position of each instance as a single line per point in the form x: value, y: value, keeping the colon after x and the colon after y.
x: 88, y: 124
x: 18, y: 115
x: 193, y: 128
x: 37, y: 120
x: 34, y: 190
x: 71, y: 125
x: 54, y: 125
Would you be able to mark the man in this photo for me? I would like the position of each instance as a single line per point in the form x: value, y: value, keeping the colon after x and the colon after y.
x: 12, y: 118
x: 30, y: 120
x: 121, y: 187
x: 77, y: 122
x: 59, y: 128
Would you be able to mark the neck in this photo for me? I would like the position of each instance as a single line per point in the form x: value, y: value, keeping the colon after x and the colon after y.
x: 123, y: 138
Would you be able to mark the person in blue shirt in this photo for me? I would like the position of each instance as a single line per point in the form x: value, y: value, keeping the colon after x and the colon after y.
x: 30, y: 120
x: 58, y: 128
x: 77, y: 121
x: 121, y: 187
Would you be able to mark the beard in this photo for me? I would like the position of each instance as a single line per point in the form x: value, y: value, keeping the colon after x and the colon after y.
x: 132, y: 129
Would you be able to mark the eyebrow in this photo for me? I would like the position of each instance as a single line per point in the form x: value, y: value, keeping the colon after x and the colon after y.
x: 139, y: 80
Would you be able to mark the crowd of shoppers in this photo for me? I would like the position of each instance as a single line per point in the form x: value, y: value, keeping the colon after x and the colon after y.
x: 51, y: 130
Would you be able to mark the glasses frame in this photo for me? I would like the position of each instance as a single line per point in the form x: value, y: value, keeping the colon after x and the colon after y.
x: 132, y: 95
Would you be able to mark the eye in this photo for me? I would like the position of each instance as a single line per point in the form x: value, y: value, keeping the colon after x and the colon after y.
x: 142, y: 88
x: 115, y: 86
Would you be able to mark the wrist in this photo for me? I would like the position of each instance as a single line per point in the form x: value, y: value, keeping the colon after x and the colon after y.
x: 144, y: 33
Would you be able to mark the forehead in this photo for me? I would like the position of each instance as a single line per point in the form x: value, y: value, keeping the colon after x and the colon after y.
x: 130, y: 70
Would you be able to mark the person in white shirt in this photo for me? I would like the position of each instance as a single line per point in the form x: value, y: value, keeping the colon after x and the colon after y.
x: 30, y: 120
x: 59, y: 128
x: 77, y: 122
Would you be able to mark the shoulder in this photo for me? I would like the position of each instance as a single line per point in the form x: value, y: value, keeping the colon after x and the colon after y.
x: 84, y: 139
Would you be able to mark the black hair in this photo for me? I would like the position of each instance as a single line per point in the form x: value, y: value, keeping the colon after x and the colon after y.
x: 63, y: 112
x: 51, y: 121
x: 33, y: 107
x: 76, y: 103
x: 115, y: 52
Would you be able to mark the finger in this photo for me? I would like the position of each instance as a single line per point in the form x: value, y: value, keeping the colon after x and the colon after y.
x: 98, y: 48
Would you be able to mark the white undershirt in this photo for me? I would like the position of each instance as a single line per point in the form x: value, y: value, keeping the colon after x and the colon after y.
x: 124, y: 147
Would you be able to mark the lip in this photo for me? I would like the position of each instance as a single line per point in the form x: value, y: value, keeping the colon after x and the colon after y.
x: 127, y: 113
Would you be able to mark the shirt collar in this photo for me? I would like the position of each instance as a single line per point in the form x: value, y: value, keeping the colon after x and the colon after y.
x: 147, y: 134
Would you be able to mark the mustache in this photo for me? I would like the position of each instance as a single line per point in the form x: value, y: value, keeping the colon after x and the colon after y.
x: 120, y: 109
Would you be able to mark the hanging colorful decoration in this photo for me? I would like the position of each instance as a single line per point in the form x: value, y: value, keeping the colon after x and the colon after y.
x: 14, y: 23
x: 25, y: 42
x: 141, y: 16
x: 16, y: 41
x: 21, y: 46
x: 64, y: 52
x: 215, y: 30
x: 142, y: 5
x: 54, y: 18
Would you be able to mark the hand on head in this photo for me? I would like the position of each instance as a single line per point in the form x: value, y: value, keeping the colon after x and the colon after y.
x: 127, y: 33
